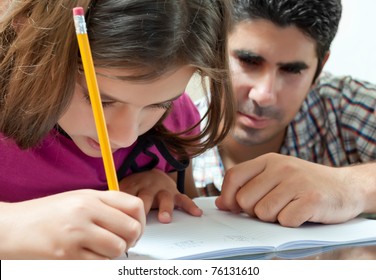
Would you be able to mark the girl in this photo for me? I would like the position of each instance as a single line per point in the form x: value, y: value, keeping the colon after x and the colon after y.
x: 52, y: 181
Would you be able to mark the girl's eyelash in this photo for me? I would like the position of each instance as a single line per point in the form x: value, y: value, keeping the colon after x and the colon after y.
x: 107, y: 104
x: 104, y: 103
x: 165, y: 106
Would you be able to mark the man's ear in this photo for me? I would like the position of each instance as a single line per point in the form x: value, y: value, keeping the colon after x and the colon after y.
x: 326, y: 57
x: 319, y: 70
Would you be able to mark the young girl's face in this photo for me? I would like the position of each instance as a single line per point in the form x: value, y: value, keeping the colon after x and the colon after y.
x: 130, y: 108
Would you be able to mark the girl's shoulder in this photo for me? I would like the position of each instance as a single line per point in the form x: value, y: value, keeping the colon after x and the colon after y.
x: 183, y: 114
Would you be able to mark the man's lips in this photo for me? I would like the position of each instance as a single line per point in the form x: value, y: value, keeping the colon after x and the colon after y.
x: 253, y: 121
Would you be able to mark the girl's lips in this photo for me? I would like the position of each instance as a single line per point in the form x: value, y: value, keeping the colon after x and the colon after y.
x: 253, y: 121
x: 94, y: 144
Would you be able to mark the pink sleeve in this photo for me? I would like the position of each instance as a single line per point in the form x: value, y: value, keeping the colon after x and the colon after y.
x: 183, y: 115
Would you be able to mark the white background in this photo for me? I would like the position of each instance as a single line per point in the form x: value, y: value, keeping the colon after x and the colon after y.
x: 353, y: 51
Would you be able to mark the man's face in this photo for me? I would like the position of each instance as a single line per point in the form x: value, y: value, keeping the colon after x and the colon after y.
x: 272, y: 71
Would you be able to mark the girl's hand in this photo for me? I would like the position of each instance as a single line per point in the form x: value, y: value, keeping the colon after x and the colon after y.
x: 84, y: 224
x: 158, y: 191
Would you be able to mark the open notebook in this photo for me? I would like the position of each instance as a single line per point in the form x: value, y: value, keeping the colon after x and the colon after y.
x: 219, y: 235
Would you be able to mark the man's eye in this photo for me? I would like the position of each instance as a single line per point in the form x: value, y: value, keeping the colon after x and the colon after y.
x: 249, y: 60
x: 292, y: 69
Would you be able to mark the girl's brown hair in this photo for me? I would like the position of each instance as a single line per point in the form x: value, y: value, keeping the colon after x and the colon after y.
x: 39, y: 59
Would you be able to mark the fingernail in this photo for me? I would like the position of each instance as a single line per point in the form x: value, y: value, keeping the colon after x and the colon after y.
x: 165, y: 215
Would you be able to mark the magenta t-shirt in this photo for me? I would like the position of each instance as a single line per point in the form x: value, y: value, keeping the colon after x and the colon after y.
x: 57, y: 165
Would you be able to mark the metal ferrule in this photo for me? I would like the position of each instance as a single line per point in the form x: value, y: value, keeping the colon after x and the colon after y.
x: 80, y: 24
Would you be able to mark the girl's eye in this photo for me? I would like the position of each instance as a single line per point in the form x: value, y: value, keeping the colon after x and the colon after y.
x: 104, y: 103
x: 107, y: 104
x: 164, y: 106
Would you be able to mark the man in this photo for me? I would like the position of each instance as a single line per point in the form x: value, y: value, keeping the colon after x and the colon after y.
x: 303, y: 143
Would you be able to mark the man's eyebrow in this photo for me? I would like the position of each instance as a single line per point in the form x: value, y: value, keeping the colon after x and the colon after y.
x: 295, y: 64
x: 246, y: 54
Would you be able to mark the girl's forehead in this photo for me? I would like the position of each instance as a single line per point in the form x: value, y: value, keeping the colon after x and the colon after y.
x: 166, y: 87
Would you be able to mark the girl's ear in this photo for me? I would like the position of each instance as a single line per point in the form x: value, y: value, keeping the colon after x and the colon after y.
x: 17, y: 23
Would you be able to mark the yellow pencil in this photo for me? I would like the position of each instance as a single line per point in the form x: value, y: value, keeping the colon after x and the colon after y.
x: 95, y: 99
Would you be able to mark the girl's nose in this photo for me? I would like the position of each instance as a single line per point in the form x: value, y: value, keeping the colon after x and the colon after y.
x: 123, y: 127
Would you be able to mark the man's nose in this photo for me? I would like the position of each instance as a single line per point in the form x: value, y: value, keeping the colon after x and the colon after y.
x: 263, y: 91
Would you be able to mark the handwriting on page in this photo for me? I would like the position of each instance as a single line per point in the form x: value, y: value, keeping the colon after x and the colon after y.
x: 187, y: 244
x: 238, y: 238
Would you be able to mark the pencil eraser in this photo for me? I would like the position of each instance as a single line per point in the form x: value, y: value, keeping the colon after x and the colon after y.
x: 78, y: 11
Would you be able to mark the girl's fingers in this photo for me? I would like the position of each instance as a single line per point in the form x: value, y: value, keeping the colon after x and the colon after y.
x: 166, y: 204
x: 104, y: 243
x: 188, y: 205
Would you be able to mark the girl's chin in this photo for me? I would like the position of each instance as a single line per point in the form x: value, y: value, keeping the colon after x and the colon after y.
x: 91, y: 152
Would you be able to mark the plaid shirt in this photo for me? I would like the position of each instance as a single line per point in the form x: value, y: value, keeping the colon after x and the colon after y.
x: 335, y: 126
